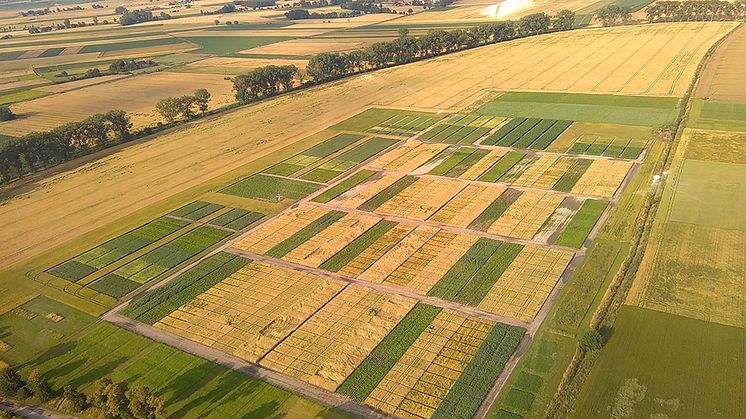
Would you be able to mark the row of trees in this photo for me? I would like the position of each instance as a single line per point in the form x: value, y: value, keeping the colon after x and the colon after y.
x: 300, y: 14
x: 185, y: 106
x: 113, y: 400
x: 140, y: 16
x: 39, y: 150
x: 614, y: 15
x: 264, y: 81
x: 703, y: 10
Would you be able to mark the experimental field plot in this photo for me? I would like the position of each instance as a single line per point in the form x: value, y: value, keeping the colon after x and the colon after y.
x: 389, y: 122
x: 531, y: 133
x: 462, y: 129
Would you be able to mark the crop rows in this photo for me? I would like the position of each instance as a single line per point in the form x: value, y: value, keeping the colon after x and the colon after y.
x: 408, y: 156
x: 105, y: 254
x: 196, y: 210
x: 343, y: 186
x: 347, y: 160
x: 271, y: 188
x: 312, y: 155
x: 154, y: 263
x: 237, y: 219
x: 532, y: 133
x: 608, y: 146
x: 403, y: 125
x: 582, y: 223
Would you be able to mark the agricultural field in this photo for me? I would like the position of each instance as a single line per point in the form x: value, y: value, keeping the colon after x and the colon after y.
x: 720, y: 79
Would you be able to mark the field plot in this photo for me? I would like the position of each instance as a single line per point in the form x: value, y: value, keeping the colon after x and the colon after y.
x: 235, y: 65
x: 271, y: 188
x: 532, y: 133
x: 347, y: 160
x: 142, y: 93
x: 307, y: 47
x: 85, y: 264
x: 152, y: 264
x: 389, y: 122
x: 462, y: 129
x: 718, y: 115
x: 720, y: 79
x: 312, y: 155
x: 602, y: 178
x: 408, y: 157
x: 196, y: 210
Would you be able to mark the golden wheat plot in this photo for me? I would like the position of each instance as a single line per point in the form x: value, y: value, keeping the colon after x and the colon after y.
x: 408, y: 156
x: 421, y: 199
x: 375, y: 251
x: 333, y: 342
x: 398, y: 253
x: 331, y: 240
x: 356, y: 196
x: 544, y: 172
x: 526, y: 215
x: 275, y: 231
x: 522, y: 289
x: 483, y: 164
x: 387, y: 158
x: 467, y: 205
x: 422, y: 377
x: 252, y: 310
x: 602, y: 178
x: 421, y: 271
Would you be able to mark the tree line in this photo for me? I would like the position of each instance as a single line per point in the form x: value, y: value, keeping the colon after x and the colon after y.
x: 614, y: 15
x: 689, y: 11
x: 172, y: 107
x: 40, y: 150
x: 300, y: 14
x: 112, y: 400
x: 324, y: 67
x: 140, y: 16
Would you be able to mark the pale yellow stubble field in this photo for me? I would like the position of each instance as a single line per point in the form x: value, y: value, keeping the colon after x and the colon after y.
x: 480, y: 10
x: 64, y: 206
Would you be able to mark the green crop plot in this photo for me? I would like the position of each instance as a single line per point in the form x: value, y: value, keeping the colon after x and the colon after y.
x: 357, y: 246
x: 184, y: 288
x: 388, y: 193
x: 582, y: 223
x: 344, y: 186
x: 626, y: 110
x: 572, y: 175
x: 222, y: 45
x: 196, y: 210
x: 608, y: 146
x: 455, y: 134
x: 86, y: 263
x: 640, y: 369
x: 348, y: 160
x: 530, y: 133
x: 237, y: 219
x: 20, y: 95
x: 271, y: 188
x: 313, y: 154
x: 388, y: 121
x: 484, y: 279
x: 451, y: 284
x: 118, y: 46
x: 158, y: 261
x: 459, y: 162
x: 495, y: 210
x: 51, y: 52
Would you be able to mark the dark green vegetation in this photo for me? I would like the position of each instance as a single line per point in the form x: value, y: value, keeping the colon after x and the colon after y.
x: 377, y: 364
x: 362, y: 242
x: 304, y: 159
x: 348, y: 160
x: 305, y: 234
x: 237, y: 219
x: 20, y: 95
x: 271, y: 188
x: 156, y: 262
x: 118, y: 46
x: 531, y: 133
x: 717, y: 115
x: 572, y: 175
x: 221, y: 45
x: 626, y: 110
x: 495, y: 210
x: 459, y: 162
x: 639, y: 371
x: 468, y: 392
x: 86, y: 263
x: 582, y: 223
x: 184, y: 288
x: 343, y: 186
x: 611, y: 147
x: 388, y: 193
x: 190, y: 386
x: 499, y: 169
x: 471, y: 278
x: 29, y: 329
x: 453, y: 133
x: 196, y: 210
x: 388, y: 121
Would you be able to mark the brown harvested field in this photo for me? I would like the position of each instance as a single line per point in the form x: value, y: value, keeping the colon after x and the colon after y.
x: 142, y: 93
x: 72, y: 85
x: 75, y: 202
x: 723, y: 77
x: 308, y: 47
x: 244, y: 64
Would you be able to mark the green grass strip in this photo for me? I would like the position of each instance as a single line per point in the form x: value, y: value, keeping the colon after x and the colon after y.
x: 502, y: 166
x: 352, y: 250
x: 452, y: 161
x: 185, y: 287
x: 503, y: 131
x: 451, y: 284
x: 572, y: 175
x: 495, y: 210
x: 582, y: 223
x: 472, y: 386
x: 483, y: 281
x: 387, y: 353
x: 343, y: 186
x: 468, y: 162
x: 388, y: 193
x: 305, y: 234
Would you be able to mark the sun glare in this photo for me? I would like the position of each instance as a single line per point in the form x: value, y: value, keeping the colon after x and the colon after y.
x: 506, y: 8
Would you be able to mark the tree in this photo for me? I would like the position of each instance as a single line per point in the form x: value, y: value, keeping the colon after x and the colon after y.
x: 92, y: 72
x: 403, y: 32
x: 202, y: 99
x: 10, y: 382
x: 6, y: 114
x: 117, y: 403
x: 143, y: 404
x: 38, y: 384
x: 169, y: 108
x: 185, y: 104
x: 73, y: 399
x: 592, y: 340
x: 534, y: 24
x: 564, y: 20
x: 120, y: 10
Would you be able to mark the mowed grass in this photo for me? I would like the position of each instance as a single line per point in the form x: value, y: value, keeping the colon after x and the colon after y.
x: 20, y: 96
x: 662, y: 364
x: 626, y: 110
x: 271, y: 188
x: 191, y: 387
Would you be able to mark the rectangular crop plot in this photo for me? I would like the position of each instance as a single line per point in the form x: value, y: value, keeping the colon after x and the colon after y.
x: 408, y: 156
x: 271, y: 188
x: 602, y: 178
x: 313, y: 154
x: 275, y: 231
x: 422, y: 198
x: 597, y: 145
x: 103, y: 255
x: 388, y: 121
x: 326, y: 348
x: 252, y: 310
x: 196, y: 210
x: 237, y: 219
x: 343, y: 186
x: 348, y: 160
x: 525, y: 285
x: 158, y: 261
x: 524, y: 217
x: 530, y: 133
x: 578, y: 229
